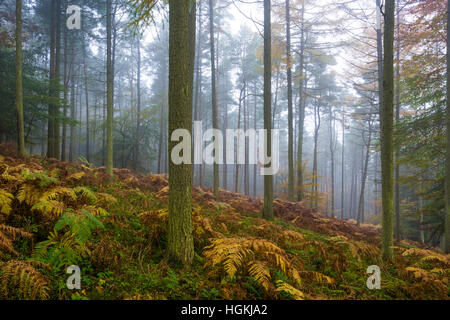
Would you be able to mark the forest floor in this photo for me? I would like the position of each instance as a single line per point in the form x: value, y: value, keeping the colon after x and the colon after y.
x: 55, y: 214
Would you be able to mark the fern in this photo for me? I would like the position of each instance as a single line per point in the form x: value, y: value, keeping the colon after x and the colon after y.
x: 21, y: 279
x: 8, y: 235
x: 79, y: 223
x: 238, y: 253
x: 44, y: 180
x: 60, y: 250
x: 51, y: 207
x: 6, y: 199
x: 86, y: 193
x: 287, y: 288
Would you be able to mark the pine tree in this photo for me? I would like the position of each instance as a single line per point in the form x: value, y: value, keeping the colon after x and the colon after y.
x: 19, y: 87
x: 387, y: 136
x: 109, y: 85
x: 180, y: 237
x: 268, y: 179
x: 447, y: 175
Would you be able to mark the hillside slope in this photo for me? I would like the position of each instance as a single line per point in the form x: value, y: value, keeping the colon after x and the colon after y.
x: 55, y: 214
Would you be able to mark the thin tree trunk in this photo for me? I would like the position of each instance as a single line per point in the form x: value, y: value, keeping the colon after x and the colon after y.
x: 300, y: 191
x: 214, y: 96
x: 397, y: 149
x: 19, y: 87
x: 138, y: 119
x: 447, y: 173
x: 343, y: 167
x: 364, y: 178
x: 268, y: 179
x: 291, y: 181
x: 86, y: 96
x: 110, y: 96
x: 387, y: 136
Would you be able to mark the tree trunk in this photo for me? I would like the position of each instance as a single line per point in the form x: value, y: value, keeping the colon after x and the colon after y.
x: 19, y: 87
x: 447, y: 175
x: 290, y: 109
x: 300, y: 192
x: 86, y: 96
x: 215, y: 119
x: 109, y: 90
x: 364, y: 178
x: 180, y: 238
x: 138, y: 117
x: 397, y: 148
x: 343, y: 167
x: 268, y: 179
x: 51, y: 152
x: 387, y: 136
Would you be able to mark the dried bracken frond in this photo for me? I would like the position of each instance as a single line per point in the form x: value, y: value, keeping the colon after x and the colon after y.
x: 8, y: 235
x: 287, y: 288
x: 21, y: 279
x: 259, y: 271
x: 5, y: 201
x: 235, y: 253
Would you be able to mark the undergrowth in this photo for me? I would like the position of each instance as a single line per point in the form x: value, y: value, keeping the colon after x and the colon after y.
x: 54, y: 214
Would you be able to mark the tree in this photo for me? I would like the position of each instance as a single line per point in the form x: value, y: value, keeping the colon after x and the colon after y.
x: 268, y: 179
x: 387, y: 136
x: 290, y: 109
x: 447, y: 158
x: 180, y: 238
x: 19, y: 87
x: 302, y: 105
x: 109, y: 94
x: 214, y: 94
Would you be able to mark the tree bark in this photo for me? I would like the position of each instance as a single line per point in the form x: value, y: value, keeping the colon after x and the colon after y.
x: 19, y: 86
x: 180, y: 238
x: 300, y: 191
x: 387, y: 137
x: 268, y: 179
x: 214, y: 95
x: 447, y: 174
x: 291, y: 181
x: 109, y: 90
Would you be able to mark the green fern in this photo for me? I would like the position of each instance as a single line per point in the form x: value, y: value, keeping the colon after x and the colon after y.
x: 80, y: 223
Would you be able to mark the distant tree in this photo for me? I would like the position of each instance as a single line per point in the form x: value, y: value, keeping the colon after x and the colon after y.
x: 109, y: 94
x: 268, y: 179
x: 19, y: 87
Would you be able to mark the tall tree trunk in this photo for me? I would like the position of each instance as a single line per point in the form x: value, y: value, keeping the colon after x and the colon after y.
x: 197, y: 116
x: 236, y: 175
x: 268, y: 179
x: 19, y: 87
x: 51, y: 152
x: 214, y: 96
x: 66, y: 93
x: 138, y: 117
x: 343, y: 167
x: 301, y: 104
x: 380, y: 57
x: 387, y: 136
x: 255, y: 167
x: 397, y: 148
x: 364, y: 178
x: 447, y: 175
x: 86, y: 96
x: 109, y: 90
x: 290, y: 109
x: 180, y: 238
